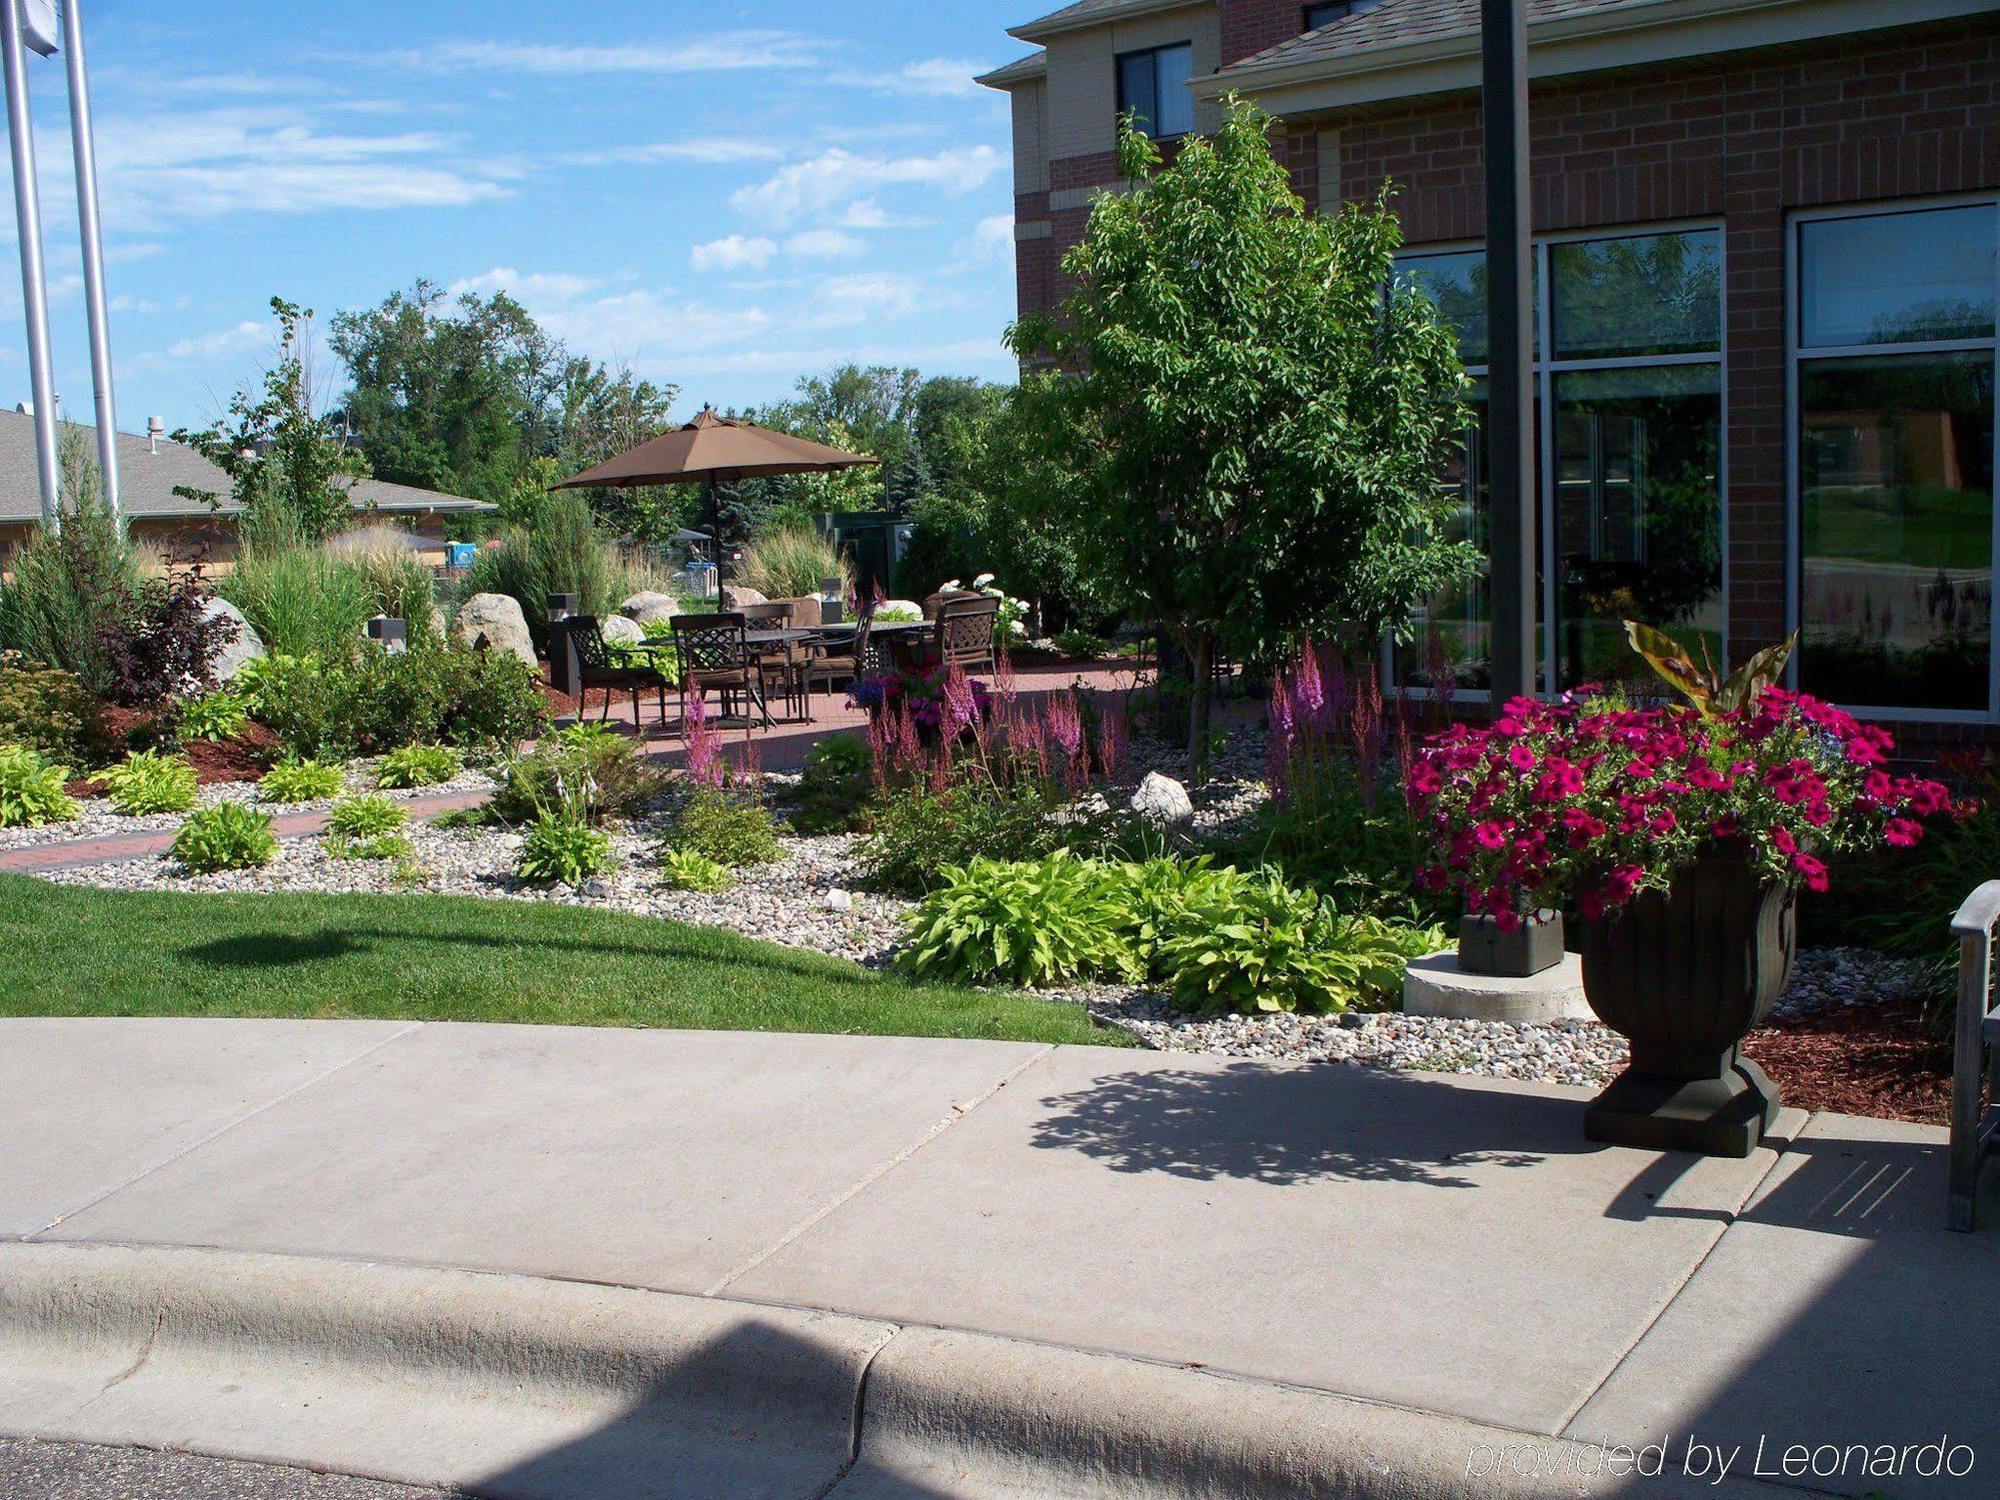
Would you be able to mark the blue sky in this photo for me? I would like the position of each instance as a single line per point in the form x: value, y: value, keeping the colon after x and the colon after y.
x: 723, y: 195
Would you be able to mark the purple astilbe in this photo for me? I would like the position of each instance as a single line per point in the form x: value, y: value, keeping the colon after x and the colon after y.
x: 1113, y: 735
x: 1028, y: 739
x: 1308, y: 695
x: 1366, y: 718
x: 1006, y: 684
x: 960, y: 707
x: 1339, y: 694
x: 704, y: 750
x: 1443, y: 676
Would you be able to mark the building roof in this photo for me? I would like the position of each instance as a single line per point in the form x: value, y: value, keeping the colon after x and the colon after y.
x: 146, y: 479
x: 1396, y: 22
x: 1087, y: 13
x: 1021, y: 70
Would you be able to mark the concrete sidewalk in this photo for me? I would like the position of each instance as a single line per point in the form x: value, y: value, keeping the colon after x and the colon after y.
x: 1438, y: 1275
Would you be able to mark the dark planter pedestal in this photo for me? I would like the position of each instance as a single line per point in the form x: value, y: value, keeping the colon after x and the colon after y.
x: 1685, y: 977
x: 1529, y: 950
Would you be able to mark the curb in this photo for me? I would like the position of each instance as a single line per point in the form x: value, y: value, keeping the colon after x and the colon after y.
x: 511, y: 1386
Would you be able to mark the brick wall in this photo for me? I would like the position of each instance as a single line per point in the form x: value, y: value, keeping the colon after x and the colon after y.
x: 1744, y: 139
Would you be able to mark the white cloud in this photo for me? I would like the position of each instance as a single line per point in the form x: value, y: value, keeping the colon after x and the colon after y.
x: 933, y: 78
x: 823, y: 244
x: 816, y: 186
x: 733, y: 253
x: 942, y: 358
x: 843, y: 301
x: 995, y: 235
x: 709, y: 151
x: 724, y: 51
x: 536, y: 286
x: 219, y: 343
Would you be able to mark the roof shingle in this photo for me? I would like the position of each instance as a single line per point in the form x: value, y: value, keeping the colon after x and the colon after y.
x: 1396, y: 23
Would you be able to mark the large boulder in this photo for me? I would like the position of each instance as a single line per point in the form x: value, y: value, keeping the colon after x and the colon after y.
x: 648, y: 606
x: 494, y: 622
x: 738, y: 597
x: 619, y: 631
x: 240, y: 645
x: 1164, y: 800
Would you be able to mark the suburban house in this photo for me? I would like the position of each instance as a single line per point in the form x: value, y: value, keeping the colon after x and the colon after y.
x: 1768, y: 240
x: 150, y: 470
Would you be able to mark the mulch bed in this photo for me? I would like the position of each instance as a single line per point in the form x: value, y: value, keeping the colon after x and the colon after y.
x: 1860, y: 1060
x: 244, y: 758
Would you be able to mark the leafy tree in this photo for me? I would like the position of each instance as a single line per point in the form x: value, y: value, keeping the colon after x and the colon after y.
x: 1258, y: 418
x: 281, y: 454
x: 600, y: 413
x: 911, y: 481
x: 446, y: 396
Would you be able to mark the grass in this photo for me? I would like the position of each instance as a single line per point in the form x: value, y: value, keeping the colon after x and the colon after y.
x: 71, y: 951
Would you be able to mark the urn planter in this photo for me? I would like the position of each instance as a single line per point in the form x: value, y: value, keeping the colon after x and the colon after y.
x: 1685, y: 975
x: 1530, y: 949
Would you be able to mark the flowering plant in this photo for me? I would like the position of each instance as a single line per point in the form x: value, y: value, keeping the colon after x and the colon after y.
x: 1592, y: 801
x: 1011, y: 623
x: 933, y: 695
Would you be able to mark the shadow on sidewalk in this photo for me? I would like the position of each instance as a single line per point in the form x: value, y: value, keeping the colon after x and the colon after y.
x: 1285, y: 1126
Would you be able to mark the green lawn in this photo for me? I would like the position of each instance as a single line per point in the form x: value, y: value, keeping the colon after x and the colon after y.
x: 68, y: 951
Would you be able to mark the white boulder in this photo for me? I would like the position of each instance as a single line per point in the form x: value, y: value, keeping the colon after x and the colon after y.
x: 494, y: 622
x: 1164, y: 800
x: 619, y: 631
x: 240, y: 645
x: 646, y: 606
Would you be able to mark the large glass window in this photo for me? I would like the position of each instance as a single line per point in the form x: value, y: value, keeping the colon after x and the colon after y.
x: 1628, y: 437
x: 1895, y: 457
x: 1153, y: 85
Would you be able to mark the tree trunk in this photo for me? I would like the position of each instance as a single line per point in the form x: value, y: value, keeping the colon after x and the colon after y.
x: 1201, y: 667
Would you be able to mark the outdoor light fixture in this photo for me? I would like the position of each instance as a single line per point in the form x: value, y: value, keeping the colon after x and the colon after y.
x: 32, y: 25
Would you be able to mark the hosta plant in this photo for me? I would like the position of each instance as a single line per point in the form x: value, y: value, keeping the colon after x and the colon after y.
x: 365, y: 818
x: 228, y: 836
x: 151, y: 782
x: 562, y: 851
x: 383, y: 846
x: 418, y: 765
x: 1261, y: 945
x: 31, y: 790
x: 215, y: 716
x: 1035, y: 923
x: 301, y: 781
x: 729, y: 825
x: 691, y: 870
x: 1588, y: 801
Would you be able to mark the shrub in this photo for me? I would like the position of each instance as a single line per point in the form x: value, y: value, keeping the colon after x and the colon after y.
x: 1081, y: 644
x: 31, y: 790
x: 730, y: 826
x: 558, y: 850
x: 301, y: 600
x: 228, y: 836
x: 150, y: 782
x: 167, y: 645
x: 365, y: 817
x: 418, y: 765
x: 50, y: 710
x: 1050, y: 921
x: 75, y: 588
x: 301, y: 781
x: 789, y: 564
x: 439, y: 694
x: 589, y: 777
x: 836, y: 786
x: 306, y: 702
x: 560, y: 552
x: 382, y: 846
x: 1261, y: 945
x: 691, y: 870
x: 214, y: 716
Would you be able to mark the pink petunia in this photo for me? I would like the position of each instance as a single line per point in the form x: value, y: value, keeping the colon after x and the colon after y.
x: 1904, y: 833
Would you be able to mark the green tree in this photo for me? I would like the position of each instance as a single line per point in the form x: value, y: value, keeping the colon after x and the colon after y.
x: 283, y: 457
x: 449, y: 396
x: 601, y: 412
x: 1259, y: 417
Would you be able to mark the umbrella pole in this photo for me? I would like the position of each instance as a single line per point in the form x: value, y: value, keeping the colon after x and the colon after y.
x: 715, y: 534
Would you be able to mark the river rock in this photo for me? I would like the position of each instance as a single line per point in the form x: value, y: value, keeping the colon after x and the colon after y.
x: 1164, y: 800
x: 494, y: 622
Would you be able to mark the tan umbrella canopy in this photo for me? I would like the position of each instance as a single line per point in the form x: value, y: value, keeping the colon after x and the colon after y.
x: 711, y: 449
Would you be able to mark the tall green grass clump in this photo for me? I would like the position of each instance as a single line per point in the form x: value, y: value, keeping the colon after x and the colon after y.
x: 559, y: 552
x: 302, y: 599
x: 789, y: 564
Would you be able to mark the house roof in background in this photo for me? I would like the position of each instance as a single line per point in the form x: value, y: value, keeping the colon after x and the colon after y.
x: 1034, y: 65
x: 1087, y: 13
x: 147, y: 480
x: 1395, y: 22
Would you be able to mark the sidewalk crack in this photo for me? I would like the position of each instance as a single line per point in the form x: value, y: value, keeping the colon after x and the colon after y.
x: 958, y: 1112
x: 221, y: 1130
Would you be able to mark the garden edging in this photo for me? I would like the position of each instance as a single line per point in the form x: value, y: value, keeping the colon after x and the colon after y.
x: 512, y: 1385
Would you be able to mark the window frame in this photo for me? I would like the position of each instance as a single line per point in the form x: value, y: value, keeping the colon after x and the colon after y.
x: 1149, y: 128
x: 1545, y: 370
x: 1796, y: 356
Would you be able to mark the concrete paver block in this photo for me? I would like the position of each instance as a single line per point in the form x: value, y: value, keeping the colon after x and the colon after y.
x: 1437, y: 986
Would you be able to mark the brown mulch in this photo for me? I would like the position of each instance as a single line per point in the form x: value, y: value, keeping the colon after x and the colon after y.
x: 244, y: 758
x: 1862, y: 1060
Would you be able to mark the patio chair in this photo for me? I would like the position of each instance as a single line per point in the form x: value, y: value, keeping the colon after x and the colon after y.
x: 775, y: 661
x: 963, y: 633
x: 1975, y: 1089
x: 598, y: 668
x: 715, y: 657
x: 850, y: 662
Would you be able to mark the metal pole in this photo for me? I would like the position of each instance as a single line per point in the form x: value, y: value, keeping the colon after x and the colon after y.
x: 1510, y: 365
x: 84, y: 141
x: 34, y: 288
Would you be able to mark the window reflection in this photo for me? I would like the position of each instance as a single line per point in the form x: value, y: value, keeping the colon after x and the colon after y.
x: 1896, y: 473
x: 1644, y: 294
x: 1897, y: 278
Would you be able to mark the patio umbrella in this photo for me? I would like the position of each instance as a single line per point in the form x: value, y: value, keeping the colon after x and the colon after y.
x: 711, y: 449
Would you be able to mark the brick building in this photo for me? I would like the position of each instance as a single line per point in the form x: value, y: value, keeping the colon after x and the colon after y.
x: 1767, y: 248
